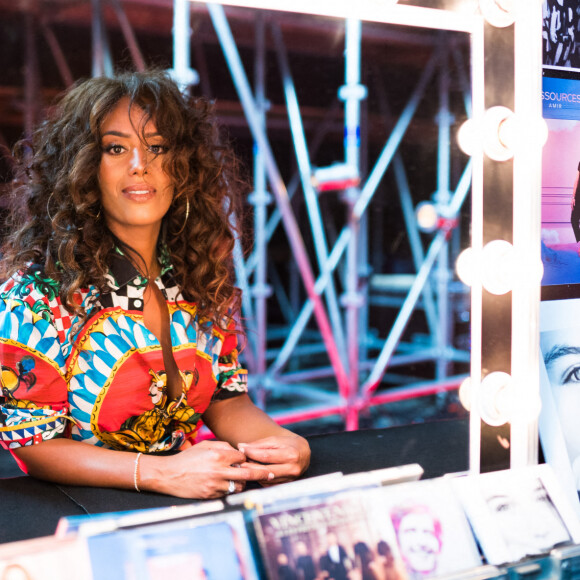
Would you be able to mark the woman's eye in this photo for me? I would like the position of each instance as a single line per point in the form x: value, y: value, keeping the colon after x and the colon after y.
x: 573, y: 376
x: 114, y: 149
x: 158, y: 149
x: 502, y: 507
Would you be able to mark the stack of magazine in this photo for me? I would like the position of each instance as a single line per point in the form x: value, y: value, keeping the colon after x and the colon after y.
x: 380, y: 525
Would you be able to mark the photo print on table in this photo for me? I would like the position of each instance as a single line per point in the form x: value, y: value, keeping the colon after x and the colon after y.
x: 560, y: 392
x: 432, y: 532
x: 517, y: 513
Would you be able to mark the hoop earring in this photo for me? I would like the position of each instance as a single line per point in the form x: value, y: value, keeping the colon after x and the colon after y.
x: 47, y: 204
x: 186, y: 217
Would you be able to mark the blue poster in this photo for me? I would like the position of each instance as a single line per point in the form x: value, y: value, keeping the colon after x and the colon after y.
x: 561, y: 98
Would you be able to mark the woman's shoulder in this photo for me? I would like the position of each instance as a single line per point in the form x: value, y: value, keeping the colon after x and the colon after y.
x: 30, y: 282
x: 30, y: 287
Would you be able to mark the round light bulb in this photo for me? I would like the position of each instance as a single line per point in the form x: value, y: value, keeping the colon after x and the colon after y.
x: 513, y: 134
x: 464, y: 393
x: 496, y: 398
x: 464, y: 266
x: 494, y: 147
x: 427, y: 216
x: 499, y: 13
x: 468, y: 137
x: 498, y: 267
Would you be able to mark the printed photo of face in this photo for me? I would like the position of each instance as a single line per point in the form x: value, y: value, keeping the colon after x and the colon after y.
x: 561, y: 354
x: 524, y: 515
x: 419, y: 538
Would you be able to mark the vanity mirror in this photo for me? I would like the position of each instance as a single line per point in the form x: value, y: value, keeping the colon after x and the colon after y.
x: 353, y: 110
x: 504, y: 139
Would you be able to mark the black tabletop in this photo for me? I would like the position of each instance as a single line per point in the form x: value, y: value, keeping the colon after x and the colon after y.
x: 31, y: 508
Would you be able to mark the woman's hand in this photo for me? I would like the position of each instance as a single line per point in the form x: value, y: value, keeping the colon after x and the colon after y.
x: 286, y: 456
x: 203, y: 471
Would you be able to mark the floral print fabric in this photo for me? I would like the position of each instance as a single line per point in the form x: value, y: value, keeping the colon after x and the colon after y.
x: 103, y: 382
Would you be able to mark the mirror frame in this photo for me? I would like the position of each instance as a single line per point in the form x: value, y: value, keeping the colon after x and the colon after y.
x: 505, y: 194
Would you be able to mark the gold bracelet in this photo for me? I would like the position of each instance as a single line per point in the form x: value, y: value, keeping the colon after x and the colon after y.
x: 136, y: 472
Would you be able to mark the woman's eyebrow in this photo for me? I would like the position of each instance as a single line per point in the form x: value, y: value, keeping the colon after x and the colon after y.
x: 116, y: 134
x: 126, y: 135
x: 498, y: 496
x: 558, y: 351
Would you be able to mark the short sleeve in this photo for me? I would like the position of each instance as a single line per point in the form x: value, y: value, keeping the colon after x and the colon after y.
x: 33, y: 398
x: 232, y: 378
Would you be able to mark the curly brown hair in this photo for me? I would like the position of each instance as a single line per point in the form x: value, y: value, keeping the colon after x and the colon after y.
x: 56, y: 217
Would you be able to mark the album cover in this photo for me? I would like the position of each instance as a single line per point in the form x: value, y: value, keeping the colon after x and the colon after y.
x: 199, y: 548
x: 432, y: 531
x: 517, y: 513
x: 45, y: 558
x: 340, y: 536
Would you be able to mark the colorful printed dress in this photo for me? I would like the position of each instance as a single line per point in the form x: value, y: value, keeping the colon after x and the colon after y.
x: 103, y: 382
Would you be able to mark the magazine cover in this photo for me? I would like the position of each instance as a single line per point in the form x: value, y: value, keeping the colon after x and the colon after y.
x: 45, y: 558
x: 433, y: 535
x: 339, y: 537
x: 517, y: 513
x: 200, y: 548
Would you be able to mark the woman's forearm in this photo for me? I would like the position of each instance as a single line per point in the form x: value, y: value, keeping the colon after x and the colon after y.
x: 202, y: 471
x: 75, y: 463
x: 238, y: 420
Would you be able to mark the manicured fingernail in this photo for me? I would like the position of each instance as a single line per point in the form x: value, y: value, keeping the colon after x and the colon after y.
x: 271, y: 475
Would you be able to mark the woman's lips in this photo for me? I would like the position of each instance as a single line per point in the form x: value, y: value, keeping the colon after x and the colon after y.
x: 139, y: 193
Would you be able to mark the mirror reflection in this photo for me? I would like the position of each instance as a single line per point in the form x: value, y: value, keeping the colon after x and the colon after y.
x: 357, y: 202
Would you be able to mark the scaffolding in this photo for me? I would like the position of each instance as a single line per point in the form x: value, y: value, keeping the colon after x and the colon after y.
x: 323, y: 356
x: 342, y: 321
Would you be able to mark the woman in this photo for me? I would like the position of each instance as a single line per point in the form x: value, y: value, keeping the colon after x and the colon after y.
x: 118, y: 317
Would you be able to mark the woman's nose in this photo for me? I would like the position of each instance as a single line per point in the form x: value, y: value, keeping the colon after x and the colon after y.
x: 138, y: 160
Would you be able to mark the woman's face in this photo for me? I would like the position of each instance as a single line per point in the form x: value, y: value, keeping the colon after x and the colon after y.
x: 135, y: 190
x: 528, y: 520
x: 561, y: 352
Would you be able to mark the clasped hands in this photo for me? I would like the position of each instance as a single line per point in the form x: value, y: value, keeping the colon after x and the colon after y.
x: 205, y: 470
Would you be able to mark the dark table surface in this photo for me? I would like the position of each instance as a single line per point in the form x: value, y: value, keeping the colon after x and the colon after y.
x: 31, y: 508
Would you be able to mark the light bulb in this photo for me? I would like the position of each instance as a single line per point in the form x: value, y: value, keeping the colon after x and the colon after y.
x: 514, y: 134
x: 496, y: 398
x: 469, y: 137
x: 499, y: 13
x: 464, y: 393
x: 464, y: 266
x: 427, y: 216
x: 493, y: 146
x: 498, y: 267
